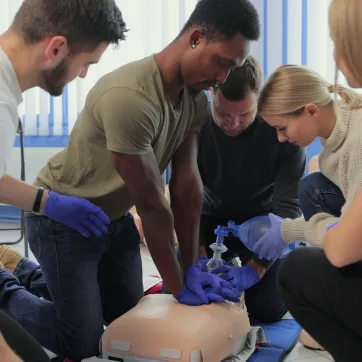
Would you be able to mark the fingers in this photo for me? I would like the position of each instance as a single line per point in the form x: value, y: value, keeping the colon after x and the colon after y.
x: 98, y: 223
x: 83, y: 231
x: 258, y: 245
x: 200, y: 293
x: 213, y: 297
x: 96, y: 211
x: 103, y: 217
x: 221, y: 269
x: 91, y: 227
x: 229, y: 295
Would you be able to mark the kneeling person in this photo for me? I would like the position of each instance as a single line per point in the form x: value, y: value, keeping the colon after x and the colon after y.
x: 246, y: 172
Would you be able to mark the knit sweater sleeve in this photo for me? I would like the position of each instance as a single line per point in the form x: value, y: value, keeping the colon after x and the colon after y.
x: 350, y: 175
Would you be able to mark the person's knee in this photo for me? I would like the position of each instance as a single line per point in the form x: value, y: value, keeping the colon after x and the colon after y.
x: 301, y: 269
x: 292, y: 266
x: 308, y: 184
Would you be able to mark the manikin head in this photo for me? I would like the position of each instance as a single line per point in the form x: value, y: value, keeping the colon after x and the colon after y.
x: 65, y: 37
x: 234, y: 103
x: 298, y: 102
x: 217, y: 39
x: 345, y: 19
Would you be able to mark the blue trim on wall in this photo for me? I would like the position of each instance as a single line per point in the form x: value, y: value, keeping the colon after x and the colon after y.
x: 51, y: 116
x: 43, y: 141
x: 285, y: 32
x: 65, y: 111
x: 304, y: 31
x: 265, y: 35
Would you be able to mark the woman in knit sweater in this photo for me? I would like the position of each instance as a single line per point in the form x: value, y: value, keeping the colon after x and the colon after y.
x: 322, y: 286
x: 300, y: 104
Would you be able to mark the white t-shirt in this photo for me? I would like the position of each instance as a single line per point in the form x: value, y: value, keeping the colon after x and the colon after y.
x: 10, y: 98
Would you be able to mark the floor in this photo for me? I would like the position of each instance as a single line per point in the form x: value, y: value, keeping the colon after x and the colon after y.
x: 299, y: 353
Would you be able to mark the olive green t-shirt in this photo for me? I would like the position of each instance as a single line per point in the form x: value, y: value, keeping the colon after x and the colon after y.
x: 125, y: 112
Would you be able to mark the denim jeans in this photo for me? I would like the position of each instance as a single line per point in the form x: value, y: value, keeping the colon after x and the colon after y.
x: 318, y: 194
x: 90, y: 282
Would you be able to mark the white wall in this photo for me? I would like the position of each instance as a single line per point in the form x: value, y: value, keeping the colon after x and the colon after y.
x: 35, y: 159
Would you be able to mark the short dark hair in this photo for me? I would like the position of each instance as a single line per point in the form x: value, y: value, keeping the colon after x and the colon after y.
x: 242, y: 80
x: 223, y: 19
x: 85, y: 23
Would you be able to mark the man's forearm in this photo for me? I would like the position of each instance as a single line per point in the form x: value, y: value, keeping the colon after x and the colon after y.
x: 158, y: 229
x: 19, y: 194
x: 186, y: 207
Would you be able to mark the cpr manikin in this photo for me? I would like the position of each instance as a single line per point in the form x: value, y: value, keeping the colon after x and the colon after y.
x: 161, y: 329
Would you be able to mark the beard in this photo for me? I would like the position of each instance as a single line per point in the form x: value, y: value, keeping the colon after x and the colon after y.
x: 54, y: 80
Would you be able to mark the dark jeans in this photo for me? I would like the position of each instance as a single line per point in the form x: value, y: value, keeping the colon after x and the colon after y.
x: 90, y: 282
x: 20, y: 341
x: 318, y: 194
x: 262, y: 300
x: 325, y: 300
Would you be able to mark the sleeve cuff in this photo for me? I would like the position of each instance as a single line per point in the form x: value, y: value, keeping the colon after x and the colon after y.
x: 293, y: 230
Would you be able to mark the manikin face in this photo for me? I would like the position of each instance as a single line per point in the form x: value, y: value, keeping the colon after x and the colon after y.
x: 64, y: 69
x: 233, y: 117
x: 299, y: 130
x: 206, y: 63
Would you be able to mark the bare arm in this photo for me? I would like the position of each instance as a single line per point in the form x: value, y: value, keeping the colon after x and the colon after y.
x: 343, y: 243
x: 19, y: 194
x: 143, y: 179
x: 7, y: 355
x: 186, y: 196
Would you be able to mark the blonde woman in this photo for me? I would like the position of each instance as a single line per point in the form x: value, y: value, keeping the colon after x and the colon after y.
x: 300, y: 105
x: 322, y: 286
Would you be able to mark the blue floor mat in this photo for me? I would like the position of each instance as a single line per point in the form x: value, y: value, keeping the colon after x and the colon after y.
x: 281, y: 338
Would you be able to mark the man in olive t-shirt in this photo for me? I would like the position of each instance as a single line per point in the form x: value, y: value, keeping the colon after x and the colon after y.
x: 135, y: 121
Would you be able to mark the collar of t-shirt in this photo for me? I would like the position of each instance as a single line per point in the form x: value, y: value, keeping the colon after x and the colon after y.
x: 8, y: 75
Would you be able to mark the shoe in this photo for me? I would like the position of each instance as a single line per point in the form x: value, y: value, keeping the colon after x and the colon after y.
x: 9, y: 258
x: 308, y: 342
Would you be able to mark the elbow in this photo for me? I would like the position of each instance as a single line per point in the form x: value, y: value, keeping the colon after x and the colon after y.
x: 336, y: 260
x: 153, y: 203
x: 191, y: 186
x: 334, y: 256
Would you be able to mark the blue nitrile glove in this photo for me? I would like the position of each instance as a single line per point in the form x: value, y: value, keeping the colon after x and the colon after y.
x: 198, y: 281
x: 77, y: 213
x: 189, y: 298
x: 332, y: 226
x: 203, y: 260
x: 271, y: 245
x: 240, y: 278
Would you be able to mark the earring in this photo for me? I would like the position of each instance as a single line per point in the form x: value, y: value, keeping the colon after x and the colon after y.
x: 193, y: 45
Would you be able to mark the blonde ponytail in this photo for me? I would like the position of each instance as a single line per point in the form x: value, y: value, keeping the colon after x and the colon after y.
x: 349, y: 97
x: 291, y: 87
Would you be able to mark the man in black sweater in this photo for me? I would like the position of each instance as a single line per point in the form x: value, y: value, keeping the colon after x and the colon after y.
x: 246, y: 172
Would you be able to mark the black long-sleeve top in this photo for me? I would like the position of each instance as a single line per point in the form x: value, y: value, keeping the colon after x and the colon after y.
x: 249, y: 175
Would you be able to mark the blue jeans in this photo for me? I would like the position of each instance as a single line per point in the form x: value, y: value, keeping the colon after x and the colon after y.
x: 318, y: 194
x: 90, y: 282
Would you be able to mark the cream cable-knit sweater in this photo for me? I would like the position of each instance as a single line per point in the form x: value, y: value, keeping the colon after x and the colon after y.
x: 341, y: 162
